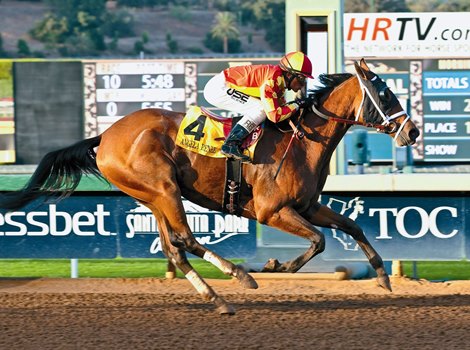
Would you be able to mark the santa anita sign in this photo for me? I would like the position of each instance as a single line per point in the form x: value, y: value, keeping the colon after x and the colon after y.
x: 431, y: 34
x: 400, y: 226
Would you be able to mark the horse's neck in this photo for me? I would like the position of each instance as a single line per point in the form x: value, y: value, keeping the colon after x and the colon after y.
x: 339, y: 103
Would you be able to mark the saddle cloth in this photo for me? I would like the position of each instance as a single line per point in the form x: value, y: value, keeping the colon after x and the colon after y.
x: 203, y: 132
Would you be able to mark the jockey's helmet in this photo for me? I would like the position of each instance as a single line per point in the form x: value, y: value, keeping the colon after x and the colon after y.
x: 297, y: 63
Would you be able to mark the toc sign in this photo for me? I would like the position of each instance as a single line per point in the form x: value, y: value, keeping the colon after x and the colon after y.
x: 431, y: 34
x: 401, y: 227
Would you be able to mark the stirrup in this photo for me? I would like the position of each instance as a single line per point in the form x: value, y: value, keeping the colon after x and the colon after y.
x: 244, y: 158
x: 236, y: 155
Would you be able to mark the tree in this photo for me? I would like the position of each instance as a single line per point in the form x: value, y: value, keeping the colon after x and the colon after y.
x: 23, y: 48
x: 139, y: 45
x: 391, y: 6
x: 70, y: 8
x: 141, y: 3
x: 3, y: 53
x: 74, y: 26
x: 171, y: 43
x: 454, y: 6
x: 225, y: 28
x: 118, y: 24
x: 357, y: 6
x: 217, y: 45
x: 268, y: 15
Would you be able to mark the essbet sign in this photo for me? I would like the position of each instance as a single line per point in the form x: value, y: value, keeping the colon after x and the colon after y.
x: 432, y: 34
x: 54, y: 222
x: 76, y: 227
x: 110, y: 226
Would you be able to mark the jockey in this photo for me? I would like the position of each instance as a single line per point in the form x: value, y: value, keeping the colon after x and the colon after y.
x: 257, y: 92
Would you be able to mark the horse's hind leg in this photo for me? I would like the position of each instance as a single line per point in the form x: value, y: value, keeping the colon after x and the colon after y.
x: 149, y: 175
x: 176, y: 238
x: 169, y: 205
x: 180, y: 236
x: 323, y: 216
x: 178, y: 257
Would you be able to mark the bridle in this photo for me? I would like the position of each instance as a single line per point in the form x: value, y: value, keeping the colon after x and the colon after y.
x: 388, y: 125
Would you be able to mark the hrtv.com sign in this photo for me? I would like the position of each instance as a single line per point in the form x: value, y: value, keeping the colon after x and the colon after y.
x: 431, y: 34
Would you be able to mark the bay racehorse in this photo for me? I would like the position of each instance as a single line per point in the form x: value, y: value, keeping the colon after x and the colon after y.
x: 139, y: 156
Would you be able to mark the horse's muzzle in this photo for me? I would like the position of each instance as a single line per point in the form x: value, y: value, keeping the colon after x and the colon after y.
x: 413, y: 134
x: 407, y: 137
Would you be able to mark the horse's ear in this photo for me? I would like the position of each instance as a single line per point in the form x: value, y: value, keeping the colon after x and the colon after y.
x: 364, y: 65
x: 359, y: 70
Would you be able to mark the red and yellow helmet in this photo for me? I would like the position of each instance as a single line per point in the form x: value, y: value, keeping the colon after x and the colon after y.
x: 297, y: 63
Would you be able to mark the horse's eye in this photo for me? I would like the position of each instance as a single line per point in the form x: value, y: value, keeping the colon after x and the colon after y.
x: 385, y: 95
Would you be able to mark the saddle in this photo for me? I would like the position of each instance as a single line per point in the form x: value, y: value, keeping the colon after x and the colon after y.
x: 204, y: 132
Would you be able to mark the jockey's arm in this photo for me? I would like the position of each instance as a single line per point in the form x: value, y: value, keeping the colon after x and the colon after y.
x: 274, y: 103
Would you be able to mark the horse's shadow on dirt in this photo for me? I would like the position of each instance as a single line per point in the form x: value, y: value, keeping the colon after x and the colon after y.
x: 12, y: 282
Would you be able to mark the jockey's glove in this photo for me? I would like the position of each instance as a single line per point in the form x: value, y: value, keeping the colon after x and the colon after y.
x: 304, y: 102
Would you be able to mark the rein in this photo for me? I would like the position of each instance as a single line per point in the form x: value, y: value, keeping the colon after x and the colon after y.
x: 380, y: 127
x: 296, y: 134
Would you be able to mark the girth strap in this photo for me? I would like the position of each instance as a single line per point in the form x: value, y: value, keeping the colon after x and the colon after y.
x: 233, y: 176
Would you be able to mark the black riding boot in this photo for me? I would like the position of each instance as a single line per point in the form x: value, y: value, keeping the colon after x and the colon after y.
x: 231, y: 146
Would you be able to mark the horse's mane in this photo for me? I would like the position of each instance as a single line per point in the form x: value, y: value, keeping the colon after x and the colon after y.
x: 329, y: 82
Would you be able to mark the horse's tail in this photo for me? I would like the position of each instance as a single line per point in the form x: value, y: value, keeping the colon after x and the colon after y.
x: 58, y: 173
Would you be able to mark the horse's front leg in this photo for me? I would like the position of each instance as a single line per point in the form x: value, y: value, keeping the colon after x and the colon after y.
x: 288, y: 220
x: 321, y: 215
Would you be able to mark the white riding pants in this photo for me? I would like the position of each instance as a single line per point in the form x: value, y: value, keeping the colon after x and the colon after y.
x: 218, y: 94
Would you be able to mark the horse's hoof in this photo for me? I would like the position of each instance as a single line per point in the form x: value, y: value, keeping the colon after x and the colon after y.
x: 246, y: 281
x: 384, y: 282
x: 271, y: 266
x: 226, y: 309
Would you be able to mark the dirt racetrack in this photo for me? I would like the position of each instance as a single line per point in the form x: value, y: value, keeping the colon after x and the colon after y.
x: 292, y: 314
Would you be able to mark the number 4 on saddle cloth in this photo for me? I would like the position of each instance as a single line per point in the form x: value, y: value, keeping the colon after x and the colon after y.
x: 204, y: 132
